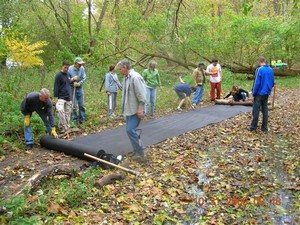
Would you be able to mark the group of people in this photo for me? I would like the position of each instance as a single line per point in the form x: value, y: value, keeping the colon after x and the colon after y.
x: 184, y: 90
x: 138, y: 93
x: 68, y: 92
x: 152, y: 82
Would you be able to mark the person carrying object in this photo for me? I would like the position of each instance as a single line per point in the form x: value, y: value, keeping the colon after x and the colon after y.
x: 112, y: 85
x: 40, y: 103
x: 78, y: 76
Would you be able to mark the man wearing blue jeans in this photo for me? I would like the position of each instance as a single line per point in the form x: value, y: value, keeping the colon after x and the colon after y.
x: 40, y: 103
x: 78, y: 76
x: 262, y: 87
x: 199, y: 79
x: 133, y: 99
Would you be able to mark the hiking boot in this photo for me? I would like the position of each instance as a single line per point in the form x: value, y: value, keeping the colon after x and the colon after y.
x: 29, y: 147
x: 139, y: 157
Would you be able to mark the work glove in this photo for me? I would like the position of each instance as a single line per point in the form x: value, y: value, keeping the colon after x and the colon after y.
x: 53, y: 132
x: 27, y: 120
x: 76, y: 84
x: 75, y: 78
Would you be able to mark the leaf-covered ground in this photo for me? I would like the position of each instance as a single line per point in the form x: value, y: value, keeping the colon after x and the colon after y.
x: 220, y: 174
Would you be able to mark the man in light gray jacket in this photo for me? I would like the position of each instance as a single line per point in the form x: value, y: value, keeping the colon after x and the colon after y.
x: 133, y: 99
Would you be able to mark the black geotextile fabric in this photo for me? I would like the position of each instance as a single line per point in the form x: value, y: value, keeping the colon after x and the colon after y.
x: 116, y: 141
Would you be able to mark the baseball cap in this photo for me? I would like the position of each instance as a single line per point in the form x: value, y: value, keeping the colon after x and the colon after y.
x: 78, y: 60
x: 201, y: 64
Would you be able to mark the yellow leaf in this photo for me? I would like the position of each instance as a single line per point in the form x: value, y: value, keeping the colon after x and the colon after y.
x: 24, y: 53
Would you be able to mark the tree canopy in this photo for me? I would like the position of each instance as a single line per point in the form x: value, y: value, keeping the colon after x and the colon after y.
x: 181, y: 32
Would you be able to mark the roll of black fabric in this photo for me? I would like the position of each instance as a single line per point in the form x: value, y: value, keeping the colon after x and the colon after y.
x: 69, y: 147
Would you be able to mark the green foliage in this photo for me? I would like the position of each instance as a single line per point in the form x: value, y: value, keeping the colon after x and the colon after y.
x: 10, y: 120
x: 33, y: 209
x: 232, y: 31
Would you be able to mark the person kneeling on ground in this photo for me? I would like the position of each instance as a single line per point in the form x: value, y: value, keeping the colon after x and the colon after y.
x: 184, y: 91
x: 238, y: 94
x: 41, y: 104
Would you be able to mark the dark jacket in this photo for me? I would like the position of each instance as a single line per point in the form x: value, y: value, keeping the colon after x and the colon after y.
x: 32, y: 103
x: 62, y: 86
x: 237, y: 95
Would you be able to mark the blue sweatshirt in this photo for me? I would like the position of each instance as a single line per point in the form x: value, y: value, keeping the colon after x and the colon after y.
x: 185, y: 88
x: 264, y: 81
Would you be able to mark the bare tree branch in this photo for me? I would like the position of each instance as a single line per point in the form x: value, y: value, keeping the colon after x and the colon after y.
x: 101, y: 16
x: 176, y: 16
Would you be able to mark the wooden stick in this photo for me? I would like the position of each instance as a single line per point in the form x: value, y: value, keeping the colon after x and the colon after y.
x: 73, y: 100
x: 112, y: 164
x: 273, y: 101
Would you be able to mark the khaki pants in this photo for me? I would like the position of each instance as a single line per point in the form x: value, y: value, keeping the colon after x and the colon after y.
x: 63, y: 109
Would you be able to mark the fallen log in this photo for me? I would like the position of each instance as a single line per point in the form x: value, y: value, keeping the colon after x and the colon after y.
x: 37, y: 179
x: 231, y: 102
x: 108, y: 179
x: 277, y: 72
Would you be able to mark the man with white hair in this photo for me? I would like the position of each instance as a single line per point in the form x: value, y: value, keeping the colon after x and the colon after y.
x: 40, y: 103
x: 134, y: 99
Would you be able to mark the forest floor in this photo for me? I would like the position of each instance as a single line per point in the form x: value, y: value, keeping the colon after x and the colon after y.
x: 219, y: 174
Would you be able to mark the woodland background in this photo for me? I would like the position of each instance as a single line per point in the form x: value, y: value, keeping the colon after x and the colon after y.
x: 180, y: 32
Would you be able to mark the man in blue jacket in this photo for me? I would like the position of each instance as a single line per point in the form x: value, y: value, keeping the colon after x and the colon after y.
x: 262, y: 87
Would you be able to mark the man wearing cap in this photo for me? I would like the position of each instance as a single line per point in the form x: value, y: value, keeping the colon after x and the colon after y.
x: 199, y: 79
x: 78, y: 76
x: 40, y: 103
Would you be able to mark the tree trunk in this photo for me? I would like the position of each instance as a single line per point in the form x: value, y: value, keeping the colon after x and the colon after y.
x: 36, y: 180
x: 277, y: 72
x: 108, y: 179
